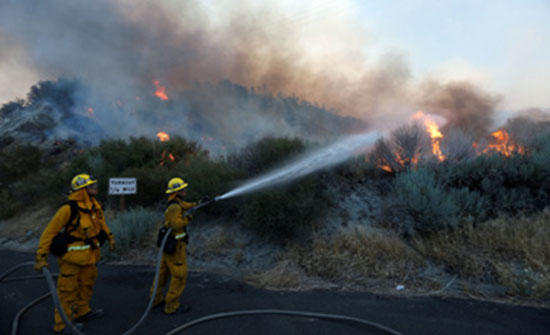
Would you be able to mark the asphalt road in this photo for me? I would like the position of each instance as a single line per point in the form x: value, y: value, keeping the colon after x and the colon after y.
x: 122, y: 292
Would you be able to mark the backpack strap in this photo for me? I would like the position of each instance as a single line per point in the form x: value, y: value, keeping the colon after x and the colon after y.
x: 75, y: 213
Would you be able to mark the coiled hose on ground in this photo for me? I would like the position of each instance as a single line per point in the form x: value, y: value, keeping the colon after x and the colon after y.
x: 372, y: 326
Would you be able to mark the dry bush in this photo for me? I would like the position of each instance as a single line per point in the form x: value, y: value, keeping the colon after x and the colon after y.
x: 219, y: 242
x: 511, y: 251
x: 356, y: 256
x: 284, y: 275
x: 404, y: 148
x: 457, y: 146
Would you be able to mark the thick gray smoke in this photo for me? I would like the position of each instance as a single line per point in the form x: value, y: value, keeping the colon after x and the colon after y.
x: 118, y: 48
x: 465, y: 106
x: 121, y: 46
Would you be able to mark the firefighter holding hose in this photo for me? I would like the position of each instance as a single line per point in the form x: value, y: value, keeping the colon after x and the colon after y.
x: 174, y: 259
x: 75, y: 235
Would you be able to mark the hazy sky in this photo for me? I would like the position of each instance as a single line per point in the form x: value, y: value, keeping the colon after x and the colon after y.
x: 501, y: 45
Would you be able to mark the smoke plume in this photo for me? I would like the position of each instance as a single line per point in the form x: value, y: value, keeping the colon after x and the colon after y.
x: 465, y: 106
x: 118, y: 48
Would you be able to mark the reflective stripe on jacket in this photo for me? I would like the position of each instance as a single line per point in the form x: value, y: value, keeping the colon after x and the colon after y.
x: 90, y: 223
x: 178, y: 236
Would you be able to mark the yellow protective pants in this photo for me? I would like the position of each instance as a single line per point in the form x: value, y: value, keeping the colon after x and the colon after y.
x: 173, y: 267
x: 74, y: 287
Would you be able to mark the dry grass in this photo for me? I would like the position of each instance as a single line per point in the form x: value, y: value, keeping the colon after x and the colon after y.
x: 284, y: 275
x: 512, y: 252
x: 219, y: 242
x: 27, y: 225
x: 356, y: 257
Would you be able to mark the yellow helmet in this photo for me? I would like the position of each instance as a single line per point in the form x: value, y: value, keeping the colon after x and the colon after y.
x: 176, y: 184
x: 82, y: 180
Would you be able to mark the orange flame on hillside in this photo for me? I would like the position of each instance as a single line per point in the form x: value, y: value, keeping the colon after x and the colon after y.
x: 90, y: 111
x: 386, y: 168
x: 435, y: 134
x: 501, y: 143
x: 163, y: 137
x: 433, y: 129
x: 161, y: 91
x: 164, y: 156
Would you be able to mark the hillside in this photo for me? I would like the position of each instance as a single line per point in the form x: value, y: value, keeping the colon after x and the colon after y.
x: 221, y: 117
x: 418, y: 214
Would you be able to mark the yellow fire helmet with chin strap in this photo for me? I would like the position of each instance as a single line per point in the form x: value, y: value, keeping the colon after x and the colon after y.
x: 176, y: 184
x: 82, y: 180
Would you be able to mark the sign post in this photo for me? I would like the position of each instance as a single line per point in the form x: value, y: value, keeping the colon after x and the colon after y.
x: 122, y: 186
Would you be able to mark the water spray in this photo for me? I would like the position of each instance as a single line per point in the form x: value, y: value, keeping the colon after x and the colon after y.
x: 320, y: 159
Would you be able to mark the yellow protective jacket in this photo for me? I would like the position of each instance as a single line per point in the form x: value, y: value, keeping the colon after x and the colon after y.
x: 89, y: 223
x: 174, y: 216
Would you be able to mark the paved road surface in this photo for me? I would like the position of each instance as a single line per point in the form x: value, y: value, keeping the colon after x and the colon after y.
x: 122, y: 292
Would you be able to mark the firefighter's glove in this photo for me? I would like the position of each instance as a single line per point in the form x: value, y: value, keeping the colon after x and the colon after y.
x: 112, y: 243
x: 40, y: 263
x: 204, y: 199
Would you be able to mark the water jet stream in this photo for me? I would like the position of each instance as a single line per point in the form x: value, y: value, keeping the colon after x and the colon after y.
x: 317, y: 160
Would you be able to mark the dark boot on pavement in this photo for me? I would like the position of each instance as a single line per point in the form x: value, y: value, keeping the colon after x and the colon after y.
x: 182, y: 309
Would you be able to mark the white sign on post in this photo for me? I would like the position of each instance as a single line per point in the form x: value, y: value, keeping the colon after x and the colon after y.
x: 122, y: 186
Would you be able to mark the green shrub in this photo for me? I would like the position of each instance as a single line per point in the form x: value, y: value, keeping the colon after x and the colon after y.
x: 508, y: 184
x: 8, y: 207
x: 266, y: 154
x: 417, y: 203
x: 473, y: 206
x: 211, y: 178
x: 18, y: 162
x: 147, y: 160
x: 133, y: 229
x: 283, y: 211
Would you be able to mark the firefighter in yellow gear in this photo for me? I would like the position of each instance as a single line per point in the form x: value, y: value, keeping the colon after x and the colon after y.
x: 174, y: 265
x: 78, y: 265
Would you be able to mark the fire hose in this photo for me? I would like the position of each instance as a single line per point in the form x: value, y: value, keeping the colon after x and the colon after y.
x: 372, y: 326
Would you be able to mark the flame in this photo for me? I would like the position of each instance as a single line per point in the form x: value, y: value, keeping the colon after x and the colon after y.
x: 406, y: 161
x: 433, y: 129
x: 386, y: 168
x: 163, y: 137
x: 435, y: 134
x: 418, y: 115
x: 501, y: 143
x: 161, y: 91
x: 163, y: 157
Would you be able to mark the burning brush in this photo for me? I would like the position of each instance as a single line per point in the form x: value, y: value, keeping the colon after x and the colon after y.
x: 424, y: 141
